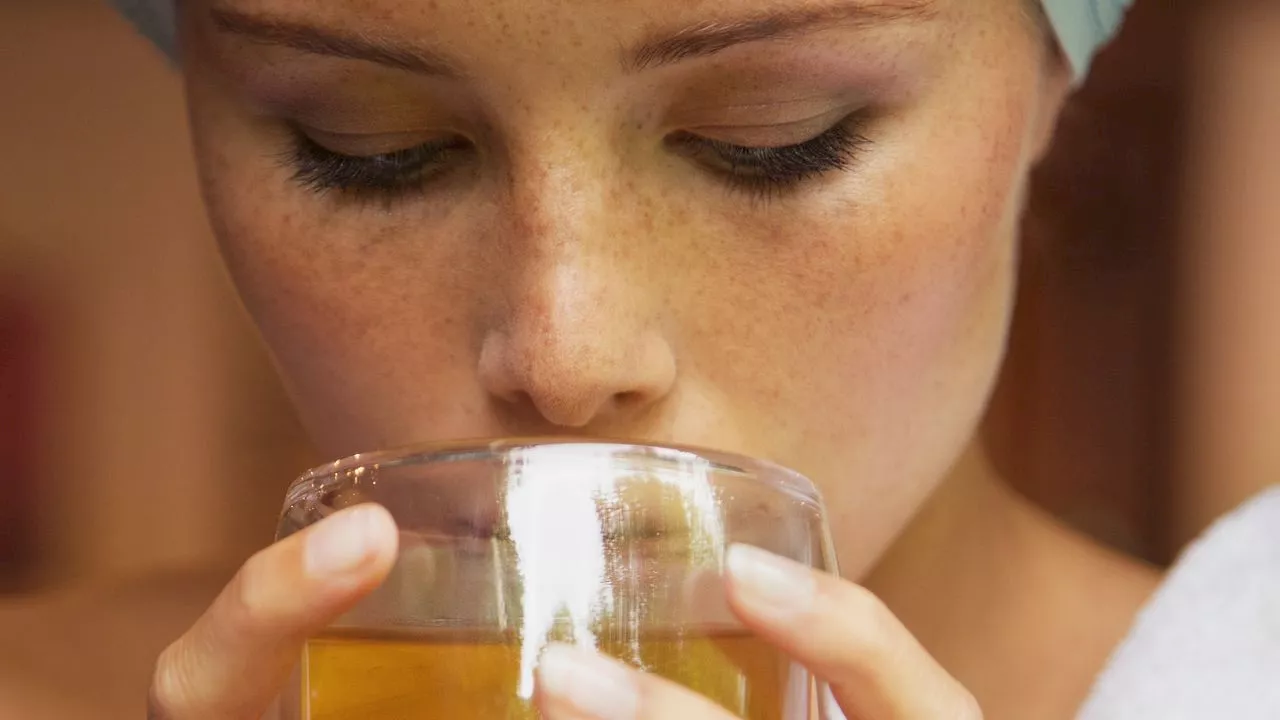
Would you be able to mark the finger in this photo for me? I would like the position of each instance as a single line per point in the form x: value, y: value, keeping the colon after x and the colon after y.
x: 235, y: 659
x: 577, y: 684
x: 846, y: 636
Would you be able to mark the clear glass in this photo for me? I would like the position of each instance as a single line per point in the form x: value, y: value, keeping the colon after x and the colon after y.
x: 509, y: 545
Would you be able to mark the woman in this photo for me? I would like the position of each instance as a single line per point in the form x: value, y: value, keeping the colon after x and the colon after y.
x: 778, y: 227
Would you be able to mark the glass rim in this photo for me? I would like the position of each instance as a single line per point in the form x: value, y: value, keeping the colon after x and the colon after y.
x: 765, y: 472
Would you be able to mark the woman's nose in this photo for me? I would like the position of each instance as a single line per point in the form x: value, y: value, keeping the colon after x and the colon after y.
x: 572, y: 351
x: 578, y: 335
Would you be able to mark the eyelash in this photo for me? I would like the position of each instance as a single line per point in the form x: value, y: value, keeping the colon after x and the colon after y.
x: 767, y: 172
x: 763, y: 172
x: 387, y: 176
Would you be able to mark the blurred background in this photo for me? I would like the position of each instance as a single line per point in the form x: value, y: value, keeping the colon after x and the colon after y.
x: 142, y: 429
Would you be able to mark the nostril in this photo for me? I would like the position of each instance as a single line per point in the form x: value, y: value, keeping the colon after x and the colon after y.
x: 628, y: 398
x: 516, y: 397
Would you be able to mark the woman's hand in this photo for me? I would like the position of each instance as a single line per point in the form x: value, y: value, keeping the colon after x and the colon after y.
x: 232, y: 663
x: 841, y: 632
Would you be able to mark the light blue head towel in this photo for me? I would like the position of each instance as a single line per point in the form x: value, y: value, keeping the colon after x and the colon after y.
x: 1083, y: 26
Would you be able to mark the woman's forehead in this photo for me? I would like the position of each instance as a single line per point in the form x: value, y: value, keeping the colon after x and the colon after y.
x: 1082, y: 26
x: 643, y: 34
x: 157, y: 17
x: 624, y: 17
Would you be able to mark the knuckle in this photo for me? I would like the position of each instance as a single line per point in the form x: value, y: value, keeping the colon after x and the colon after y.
x: 878, y: 627
x: 248, y: 605
x: 170, y: 684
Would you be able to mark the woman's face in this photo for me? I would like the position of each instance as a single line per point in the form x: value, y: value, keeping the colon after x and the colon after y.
x: 777, y: 227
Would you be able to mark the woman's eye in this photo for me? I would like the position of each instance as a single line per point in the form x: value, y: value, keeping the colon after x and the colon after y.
x: 769, y: 170
x: 386, y: 174
x: 760, y: 170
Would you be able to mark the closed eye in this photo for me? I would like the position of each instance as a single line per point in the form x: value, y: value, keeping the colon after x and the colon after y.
x: 322, y: 169
x: 769, y: 170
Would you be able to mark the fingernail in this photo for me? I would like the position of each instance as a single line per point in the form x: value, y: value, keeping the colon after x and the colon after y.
x: 342, y: 543
x: 770, y: 583
x: 589, y: 683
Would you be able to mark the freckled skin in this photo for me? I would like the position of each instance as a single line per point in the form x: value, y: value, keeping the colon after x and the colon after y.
x: 578, y: 277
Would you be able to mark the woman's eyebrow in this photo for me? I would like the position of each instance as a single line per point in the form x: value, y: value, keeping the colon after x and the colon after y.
x: 319, y: 40
x: 659, y: 49
x: 709, y: 38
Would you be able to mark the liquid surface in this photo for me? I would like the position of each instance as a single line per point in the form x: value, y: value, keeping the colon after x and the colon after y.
x: 449, y: 675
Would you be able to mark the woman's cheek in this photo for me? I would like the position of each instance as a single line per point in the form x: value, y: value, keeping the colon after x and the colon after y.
x: 885, y: 328
x: 937, y: 271
x: 371, y: 338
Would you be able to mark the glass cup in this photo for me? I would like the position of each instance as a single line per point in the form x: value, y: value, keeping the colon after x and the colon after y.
x: 508, y: 546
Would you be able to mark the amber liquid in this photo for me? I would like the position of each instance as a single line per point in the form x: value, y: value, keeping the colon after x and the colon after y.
x: 450, y: 675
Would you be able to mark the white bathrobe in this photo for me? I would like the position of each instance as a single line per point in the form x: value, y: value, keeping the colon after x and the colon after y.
x: 1207, y: 647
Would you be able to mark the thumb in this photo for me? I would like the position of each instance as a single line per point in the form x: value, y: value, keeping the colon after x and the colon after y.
x: 232, y: 663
